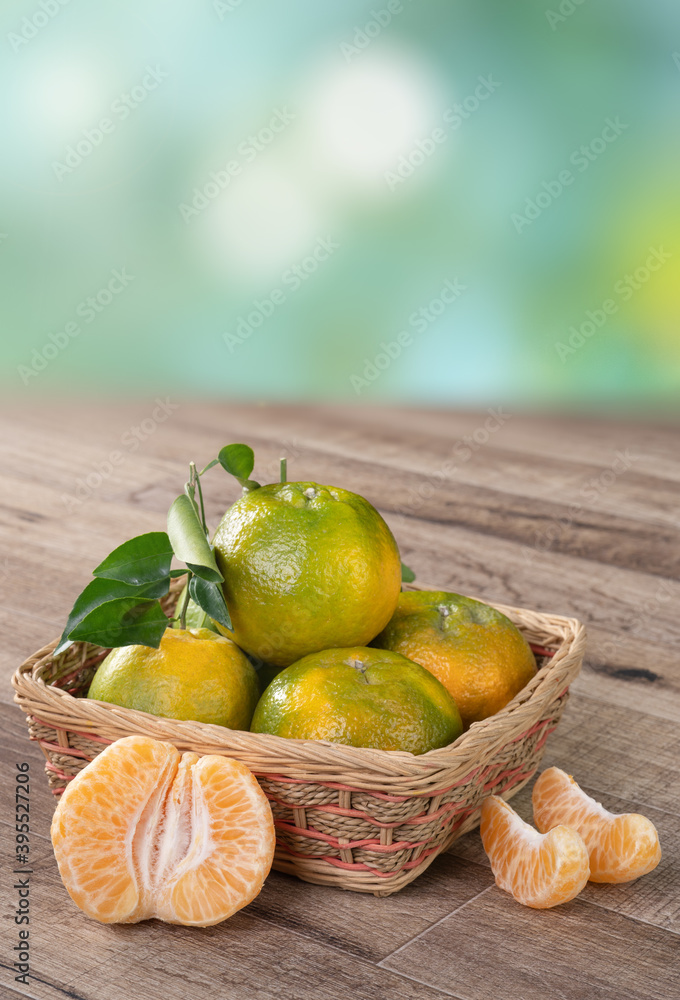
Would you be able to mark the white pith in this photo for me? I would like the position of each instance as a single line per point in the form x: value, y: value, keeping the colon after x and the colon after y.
x: 172, y: 836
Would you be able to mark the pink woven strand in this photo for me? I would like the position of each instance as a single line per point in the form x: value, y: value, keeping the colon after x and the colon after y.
x: 334, y: 842
x: 63, y: 729
x: 49, y: 766
x: 541, y: 650
x: 361, y: 866
x: 67, y: 751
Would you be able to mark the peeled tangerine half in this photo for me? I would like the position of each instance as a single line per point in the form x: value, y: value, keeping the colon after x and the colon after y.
x: 621, y: 847
x: 539, y: 870
x: 144, y: 831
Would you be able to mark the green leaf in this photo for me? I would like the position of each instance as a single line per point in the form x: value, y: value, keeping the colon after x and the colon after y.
x: 142, y: 559
x: 101, y: 591
x: 237, y: 459
x: 188, y: 539
x: 126, y: 621
x: 215, y: 461
x: 206, y: 572
x: 209, y: 596
x: 174, y: 573
x: 407, y: 575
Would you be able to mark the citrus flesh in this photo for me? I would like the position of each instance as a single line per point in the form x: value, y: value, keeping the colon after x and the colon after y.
x: 360, y: 697
x: 478, y: 654
x: 621, y: 847
x: 194, y: 674
x: 538, y: 870
x: 144, y: 831
x: 306, y: 567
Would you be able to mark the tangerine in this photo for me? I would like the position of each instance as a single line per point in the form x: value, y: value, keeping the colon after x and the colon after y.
x: 360, y: 697
x: 621, y: 847
x: 306, y: 567
x: 194, y: 674
x: 144, y: 831
x: 538, y: 869
x: 478, y: 654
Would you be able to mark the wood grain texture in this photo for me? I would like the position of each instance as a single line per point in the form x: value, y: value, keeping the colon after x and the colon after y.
x: 525, y: 518
x: 365, y: 925
x: 494, y: 947
x: 243, y: 957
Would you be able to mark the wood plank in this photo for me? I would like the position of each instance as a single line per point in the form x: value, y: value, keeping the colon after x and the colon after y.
x: 494, y: 948
x: 16, y: 747
x: 501, y: 507
x: 362, y: 924
x: 590, y: 438
x: 242, y: 957
x: 635, y: 494
x: 619, y: 751
x: 563, y: 479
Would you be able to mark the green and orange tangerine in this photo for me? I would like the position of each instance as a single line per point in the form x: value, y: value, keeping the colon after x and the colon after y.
x: 361, y: 697
x: 306, y: 567
x: 194, y: 674
x: 478, y: 654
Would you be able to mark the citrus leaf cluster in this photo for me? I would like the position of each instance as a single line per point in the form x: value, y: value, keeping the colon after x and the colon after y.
x: 121, y: 605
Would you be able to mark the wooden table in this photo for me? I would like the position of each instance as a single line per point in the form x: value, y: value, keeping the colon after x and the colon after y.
x: 579, y: 517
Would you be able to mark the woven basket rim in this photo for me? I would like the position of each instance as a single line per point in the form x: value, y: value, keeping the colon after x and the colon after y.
x: 321, y: 758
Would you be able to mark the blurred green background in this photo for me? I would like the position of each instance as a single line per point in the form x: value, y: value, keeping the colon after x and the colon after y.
x: 426, y: 202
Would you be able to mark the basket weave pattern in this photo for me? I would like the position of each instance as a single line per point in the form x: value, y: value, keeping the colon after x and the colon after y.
x: 362, y: 819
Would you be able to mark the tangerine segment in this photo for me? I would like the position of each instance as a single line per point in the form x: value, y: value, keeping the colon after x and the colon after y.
x: 539, y: 870
x: 621, y: 847
x: 144, y: 831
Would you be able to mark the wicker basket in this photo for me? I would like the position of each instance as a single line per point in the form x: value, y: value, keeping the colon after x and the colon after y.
x: 361, y: 819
